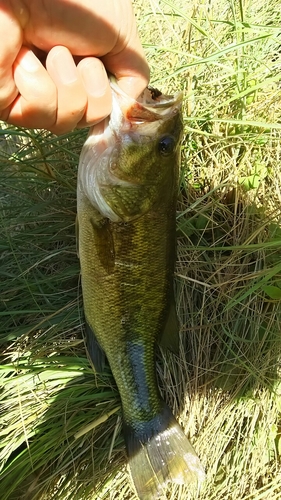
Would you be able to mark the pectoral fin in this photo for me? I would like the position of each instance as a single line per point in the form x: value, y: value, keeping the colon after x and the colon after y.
x: 102, y: 235
x: 94, y: 350
x: 170, y: 336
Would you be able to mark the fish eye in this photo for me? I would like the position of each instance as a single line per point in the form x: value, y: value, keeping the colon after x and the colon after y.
x: 166, y: 145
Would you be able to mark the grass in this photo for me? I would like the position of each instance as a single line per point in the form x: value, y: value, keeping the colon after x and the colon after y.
x: 225, y: 385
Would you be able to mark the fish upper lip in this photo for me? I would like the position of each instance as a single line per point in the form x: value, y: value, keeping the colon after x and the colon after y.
x: 167, y: 101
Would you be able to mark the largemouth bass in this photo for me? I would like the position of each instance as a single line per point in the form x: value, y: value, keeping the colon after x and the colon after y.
x: 127, y: 192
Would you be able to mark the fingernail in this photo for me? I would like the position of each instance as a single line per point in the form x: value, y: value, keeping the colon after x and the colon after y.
x: 64, y: 66
x: 94, y: 77
x: 29, y: 62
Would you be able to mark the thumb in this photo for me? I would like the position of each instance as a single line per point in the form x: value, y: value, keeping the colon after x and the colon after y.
x: 130, y: 68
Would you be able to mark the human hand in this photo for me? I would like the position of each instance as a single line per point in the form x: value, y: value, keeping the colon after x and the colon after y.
x: 77, y: 40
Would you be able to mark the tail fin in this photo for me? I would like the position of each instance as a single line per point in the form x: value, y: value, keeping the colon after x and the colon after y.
x: 159, y: 453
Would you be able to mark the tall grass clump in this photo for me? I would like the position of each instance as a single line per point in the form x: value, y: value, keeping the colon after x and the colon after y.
x: 59, y: 422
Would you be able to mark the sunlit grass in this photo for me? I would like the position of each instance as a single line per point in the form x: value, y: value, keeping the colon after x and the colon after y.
x: 225, y: 385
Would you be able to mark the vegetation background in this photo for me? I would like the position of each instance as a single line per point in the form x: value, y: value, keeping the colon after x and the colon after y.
x: 225, y: 386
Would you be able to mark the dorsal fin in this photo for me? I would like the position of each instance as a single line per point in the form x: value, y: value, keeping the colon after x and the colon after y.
x: 94, y: 350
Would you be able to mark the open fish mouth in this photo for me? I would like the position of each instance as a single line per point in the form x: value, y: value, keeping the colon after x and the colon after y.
x: 149, y: 107
x: 142, y: 115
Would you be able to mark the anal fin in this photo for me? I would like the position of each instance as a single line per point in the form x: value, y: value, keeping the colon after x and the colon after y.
x: 170, y: 336
x: 94, y: 350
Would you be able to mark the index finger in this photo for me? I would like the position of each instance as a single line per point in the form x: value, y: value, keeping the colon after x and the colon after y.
x: 11, y: 41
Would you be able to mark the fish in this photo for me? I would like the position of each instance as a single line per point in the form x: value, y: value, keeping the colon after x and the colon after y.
x: 127, y: 187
